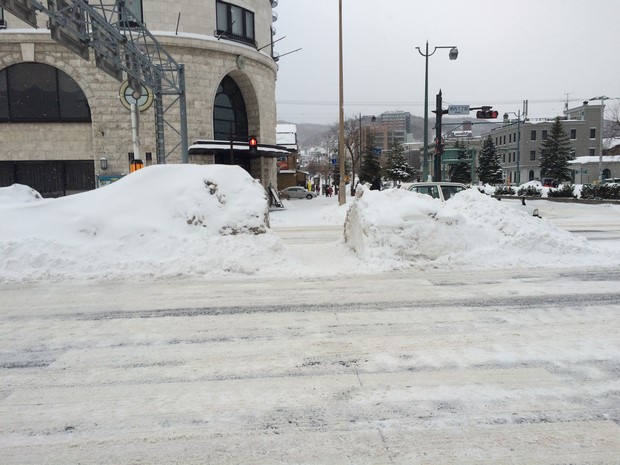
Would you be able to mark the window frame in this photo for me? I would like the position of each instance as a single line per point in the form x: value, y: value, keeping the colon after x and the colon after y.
x: 63, y: 110
x: 247, y: 33
x: 573, y: 134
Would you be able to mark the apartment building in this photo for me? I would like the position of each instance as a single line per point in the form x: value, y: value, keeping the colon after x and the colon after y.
x: 519, y: 142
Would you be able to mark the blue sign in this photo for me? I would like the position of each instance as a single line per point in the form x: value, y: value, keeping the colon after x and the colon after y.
x: 377, y: 151
x: 334, y: 161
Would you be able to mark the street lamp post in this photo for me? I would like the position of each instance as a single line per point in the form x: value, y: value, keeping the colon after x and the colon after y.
x: 454, y: 53
x: 341, y: 186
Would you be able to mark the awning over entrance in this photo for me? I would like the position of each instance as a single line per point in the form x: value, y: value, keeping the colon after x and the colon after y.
x: 201, y: 147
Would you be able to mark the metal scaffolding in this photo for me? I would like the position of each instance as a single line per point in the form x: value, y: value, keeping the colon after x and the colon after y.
x: 122, y: 45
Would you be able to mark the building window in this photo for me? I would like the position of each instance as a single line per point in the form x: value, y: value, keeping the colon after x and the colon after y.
x: 503, y: 158
x: 135, y: 8
x: 510, y: 138
x: 39, y: 93
x: 592, y: 133
x: 531, y: 175
x: 532, y: 155
x: 573, y: 134
x: 532, y: 135
x: 2, y: 21
x: 592, y: 152
x: 504, y: 140
x: 544, y: 134
x: 235, y: 22
x: 230, y: 119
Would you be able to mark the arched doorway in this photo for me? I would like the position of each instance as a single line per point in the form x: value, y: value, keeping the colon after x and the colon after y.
x: 230, y: 118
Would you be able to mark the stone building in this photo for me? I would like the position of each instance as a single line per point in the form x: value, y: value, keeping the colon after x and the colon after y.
x: 519, y: 143
x: 64, y: 128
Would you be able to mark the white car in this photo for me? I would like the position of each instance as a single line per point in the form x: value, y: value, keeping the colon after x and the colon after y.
x: 297, y: 192
x: 438, y: 190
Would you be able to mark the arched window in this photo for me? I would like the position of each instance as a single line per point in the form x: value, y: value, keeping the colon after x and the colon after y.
x: 230, y: 118
x: 531, y: 175
x: 606, y: 174
x: 39, y: 93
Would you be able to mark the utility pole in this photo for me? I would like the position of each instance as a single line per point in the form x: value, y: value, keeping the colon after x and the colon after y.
x: 439, y: 142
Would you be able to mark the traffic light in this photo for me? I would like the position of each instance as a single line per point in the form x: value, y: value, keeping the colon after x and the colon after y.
x: 486, y: 113
x: 440, y: 146
x: 253, y: 144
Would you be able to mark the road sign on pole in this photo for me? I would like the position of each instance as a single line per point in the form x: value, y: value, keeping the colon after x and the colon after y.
x: 458, y: 109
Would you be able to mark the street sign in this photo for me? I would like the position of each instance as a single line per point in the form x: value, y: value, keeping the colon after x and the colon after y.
x: 334, y: 161
x: 458, y: 109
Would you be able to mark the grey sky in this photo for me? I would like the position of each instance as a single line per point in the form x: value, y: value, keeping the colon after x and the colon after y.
x: 509, y: 51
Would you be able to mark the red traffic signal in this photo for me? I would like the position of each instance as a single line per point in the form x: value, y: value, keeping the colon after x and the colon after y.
x: 487, y: 114
x: 253, y: 144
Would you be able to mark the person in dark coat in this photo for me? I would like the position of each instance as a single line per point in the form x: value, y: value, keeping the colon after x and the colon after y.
x: 376, y: 184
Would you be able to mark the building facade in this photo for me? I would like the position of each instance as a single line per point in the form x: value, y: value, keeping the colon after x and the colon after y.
x: 60, y: 114
x: 519, y: 142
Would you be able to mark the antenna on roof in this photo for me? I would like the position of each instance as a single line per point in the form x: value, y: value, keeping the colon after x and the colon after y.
x: 271, y: 43
x: 566, y: 103
x: 284, y: 54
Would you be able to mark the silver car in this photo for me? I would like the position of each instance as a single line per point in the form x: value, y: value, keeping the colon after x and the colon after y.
x: 438, y: 190
x: 297, y: 192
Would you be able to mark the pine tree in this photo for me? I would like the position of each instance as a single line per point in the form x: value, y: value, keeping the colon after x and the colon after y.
x: 371, y: 167
x: 489, y: 169
x: 397, y: 168
x: 461, y: 171
x: 555, y: 154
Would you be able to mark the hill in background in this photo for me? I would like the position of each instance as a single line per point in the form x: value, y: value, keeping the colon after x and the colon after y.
x: 313, y: 135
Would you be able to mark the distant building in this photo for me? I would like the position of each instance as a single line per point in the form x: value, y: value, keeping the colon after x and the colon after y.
x: 388, y: 128
x: 519, y: 143
x: 288, y: 165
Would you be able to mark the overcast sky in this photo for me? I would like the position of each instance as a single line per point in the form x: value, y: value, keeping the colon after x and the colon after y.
x: 544, y: 51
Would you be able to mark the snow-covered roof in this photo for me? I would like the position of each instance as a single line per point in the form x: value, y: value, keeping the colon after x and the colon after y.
x: 611, y: 142
x: 286, y: 134
x: 595, y: 159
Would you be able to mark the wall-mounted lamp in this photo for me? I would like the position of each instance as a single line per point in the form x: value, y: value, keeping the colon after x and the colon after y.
x: 103, y: 163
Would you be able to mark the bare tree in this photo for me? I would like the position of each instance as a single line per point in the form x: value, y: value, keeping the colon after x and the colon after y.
x: 612, y: 121
x: 352, y: 149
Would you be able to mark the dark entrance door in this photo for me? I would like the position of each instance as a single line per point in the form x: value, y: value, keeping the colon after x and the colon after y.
x: 51, y: 178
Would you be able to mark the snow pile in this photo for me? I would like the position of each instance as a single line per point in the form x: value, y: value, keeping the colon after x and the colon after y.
x: 18, y: 193
x: 165, y: 220
x: 403, y: 228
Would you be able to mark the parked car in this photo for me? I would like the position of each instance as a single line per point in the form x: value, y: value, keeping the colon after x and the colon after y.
x: 438, y: 190
x: 296, y: 192
x: 444, y: 190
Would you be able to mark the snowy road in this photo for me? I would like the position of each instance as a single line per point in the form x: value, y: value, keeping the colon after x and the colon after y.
x: 515, y: 366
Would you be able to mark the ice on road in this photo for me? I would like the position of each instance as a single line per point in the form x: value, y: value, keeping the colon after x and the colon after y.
x: 511, y: 365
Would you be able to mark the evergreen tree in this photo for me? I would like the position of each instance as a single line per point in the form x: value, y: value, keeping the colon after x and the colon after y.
x: 461, y: 171
x: 397, y: 168
x: 371, y: 167
x: 555, y: 154
x: 489, y: 169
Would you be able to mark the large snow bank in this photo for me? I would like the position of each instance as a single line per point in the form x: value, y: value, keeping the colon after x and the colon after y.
x: 159, y: 221
x: 406, y: 228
